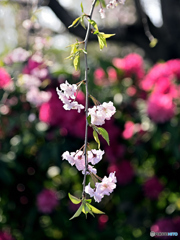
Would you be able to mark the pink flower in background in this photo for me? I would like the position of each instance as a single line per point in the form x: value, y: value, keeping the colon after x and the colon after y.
x: 131, y: 91
x: 128, y: 130
x: 17, y: 55
x: 36, y: 67
x: 47, y: 200
x: 124, y: 172
x: 112, y: 74
x: 155, y: 75
x: 174, y: 66
x: 165, y: 86
x: 132, y: 64
x: 152, y: 188
x: 54, y: 114
x: 36, y: 97
x: 160, y: 107
x: 5, y: 236
x: 5, y: 78
x: 163, y: 225
x: 99, y: 77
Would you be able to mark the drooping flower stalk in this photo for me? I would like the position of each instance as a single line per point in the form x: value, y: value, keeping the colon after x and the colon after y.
x: 87, y: 95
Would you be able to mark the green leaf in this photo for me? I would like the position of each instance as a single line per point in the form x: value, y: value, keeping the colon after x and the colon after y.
x: 82, y: 22
x: 94, y: 210
x: 102, y: 38
x: 94, y: 24
x: 82, y: 9
x: 77, y: 213
x: 76, y: 62
x: 88, y: 200
x: 103, y: 3
x: 107, y: 35
x: 96, y: 138
x: 153, y: 42
x: 74, y: 22
x: 102, y: 41
x: 104, y: 134
x: 74, y: 199
x: 86, y: 209
x: 89, y: 119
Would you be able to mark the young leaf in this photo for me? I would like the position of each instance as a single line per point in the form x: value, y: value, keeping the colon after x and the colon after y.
x: 104, y: 134
x: 86, y: 209
x: 102, y: 41
x: 94, y: 210
x: 76, y: 62
x: 107, y: 35
x: 74, y: 199
x: 77, y: 213
x: 89, y: 119
x: 103, y: 3
x: 88, y: 200
x: 96, y: 138
x: 94, y: 24
x: 82, y: 21
x: 82, y: 9
x: 153, y: 42
x: 74, y: 22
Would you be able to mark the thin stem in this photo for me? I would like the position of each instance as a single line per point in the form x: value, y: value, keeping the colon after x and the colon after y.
x: 87, y: 94
x: 145, y: 23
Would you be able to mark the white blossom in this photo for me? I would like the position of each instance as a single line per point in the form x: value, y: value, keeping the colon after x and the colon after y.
x: 95, y: 156
x: 102, y: 13
x: 101, y: 113
x: 69, y: 157
x: 66, y: 94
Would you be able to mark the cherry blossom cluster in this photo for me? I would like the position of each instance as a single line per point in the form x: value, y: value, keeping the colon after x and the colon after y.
x: 107, y: 184
x: 67, y: 94
x: 101, y: 113
x: 112, y: 4
x: 78, y: 159
x: 103, y: 188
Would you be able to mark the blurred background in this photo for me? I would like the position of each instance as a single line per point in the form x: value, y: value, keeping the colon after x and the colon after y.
x: 143, y: 84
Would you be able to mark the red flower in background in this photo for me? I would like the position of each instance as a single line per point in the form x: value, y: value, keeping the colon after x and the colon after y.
x: 132, y: 64
x: 5, y: 78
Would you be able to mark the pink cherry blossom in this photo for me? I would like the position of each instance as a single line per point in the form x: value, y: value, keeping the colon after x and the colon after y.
x: 101, y: 113
x: 94, y: 156
x: 69, y: 157
x: 66, y: 94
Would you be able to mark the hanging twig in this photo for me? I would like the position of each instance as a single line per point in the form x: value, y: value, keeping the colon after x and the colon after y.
x: 87, y: 95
